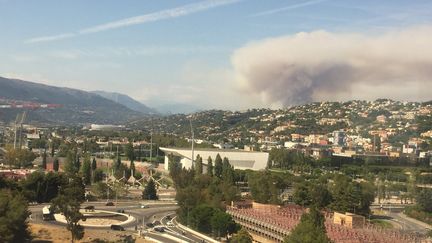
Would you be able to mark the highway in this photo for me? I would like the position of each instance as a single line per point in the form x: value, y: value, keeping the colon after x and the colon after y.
x: 154, y: 212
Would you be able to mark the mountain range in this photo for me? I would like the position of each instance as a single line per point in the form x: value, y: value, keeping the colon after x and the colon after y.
x: 126, y: 101
x: 77, y: 106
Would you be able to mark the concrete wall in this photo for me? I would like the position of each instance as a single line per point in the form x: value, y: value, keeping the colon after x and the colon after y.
x: 349, y: 220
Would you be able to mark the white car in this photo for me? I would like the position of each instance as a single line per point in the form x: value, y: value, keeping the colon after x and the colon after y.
x: 169, y: 223
x: 144, y: 206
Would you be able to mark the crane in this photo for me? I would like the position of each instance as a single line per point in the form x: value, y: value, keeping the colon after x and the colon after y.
x: 20, y: 118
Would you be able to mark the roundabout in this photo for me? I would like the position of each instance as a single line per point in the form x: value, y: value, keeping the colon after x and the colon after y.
x: 100, y: 218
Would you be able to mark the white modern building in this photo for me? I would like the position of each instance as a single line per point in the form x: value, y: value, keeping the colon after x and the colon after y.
x: 106, y: 127
x: 240, y: 159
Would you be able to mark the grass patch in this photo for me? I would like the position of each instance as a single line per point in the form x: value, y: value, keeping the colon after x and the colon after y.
x: 381, y: 223
x: 379, y: 212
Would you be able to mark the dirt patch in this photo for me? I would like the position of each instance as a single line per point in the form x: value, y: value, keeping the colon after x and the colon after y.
x: 59, y: 234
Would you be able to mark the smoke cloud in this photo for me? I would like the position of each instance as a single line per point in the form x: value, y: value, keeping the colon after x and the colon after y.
x: 320, y: 65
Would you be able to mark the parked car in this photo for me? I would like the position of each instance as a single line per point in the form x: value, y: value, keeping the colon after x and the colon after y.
x: 157, y: 222
x: 90, y: 208
x: 150, y: 225
x: 117, y: 227
x: 120, y: 211
x: 159, y: 229
x: 144, y: 206
x: 109, y: 204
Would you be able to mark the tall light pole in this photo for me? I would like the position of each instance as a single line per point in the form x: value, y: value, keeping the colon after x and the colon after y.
x: 192, y: 132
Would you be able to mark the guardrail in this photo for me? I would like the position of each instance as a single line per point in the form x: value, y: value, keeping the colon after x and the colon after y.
x: 185, y: 228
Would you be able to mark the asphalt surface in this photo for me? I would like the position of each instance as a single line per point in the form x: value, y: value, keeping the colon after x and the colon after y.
x: 153, y: 212
x: 395, y: 214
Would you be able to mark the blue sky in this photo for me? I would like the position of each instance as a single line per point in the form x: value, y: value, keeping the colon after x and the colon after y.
x: 174, y: 51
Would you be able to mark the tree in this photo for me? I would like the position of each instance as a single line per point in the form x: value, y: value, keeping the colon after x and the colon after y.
x: 149, y: 192
x: 265, y: 186
x: 100, y: 190
x: 19, y: 157
x: 56, y: 165
x: 227, y: 171
x: 44, y: 160
x: 86, y: 171
x: 77, y: 162
x: 71, y: 167
x: 311, y: 229
x: 98, y: 175
x: 129, y: 151
x: 174, y: 167
x: 218, y: 166
x: 302, y: 195
x: 367, y: 197
x: 199, y: 218
x: 279, y: 158
x: 320, y: 195
x: 117, y: 164
x: 40, y: 187
x: 93, y: 165
x: 52, y: 149
x: 222, y: 224
x: 199, y: 165
x: 68, y: 202
x: 346, y: 196
x: 132, y: 166
x: 120, y: 189
x: 210, y: 166
x: 13, y: 218
x: 32, y: 187
x: 424, y: 200
x: 55, y: 143
x: 349, y: 196
x: 242, y: 237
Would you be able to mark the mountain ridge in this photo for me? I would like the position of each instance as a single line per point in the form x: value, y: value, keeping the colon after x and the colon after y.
x: 78, y: 106
x: 127, y: 101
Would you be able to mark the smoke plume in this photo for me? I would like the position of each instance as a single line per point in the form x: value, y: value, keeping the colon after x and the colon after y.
x: 320, y: 65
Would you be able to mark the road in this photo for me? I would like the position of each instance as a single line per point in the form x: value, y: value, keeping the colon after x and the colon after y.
x: 395, y: 214
x: 162, y: 212
x: 409, y: 224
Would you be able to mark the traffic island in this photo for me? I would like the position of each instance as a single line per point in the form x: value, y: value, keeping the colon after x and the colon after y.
x: 100, y: 218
